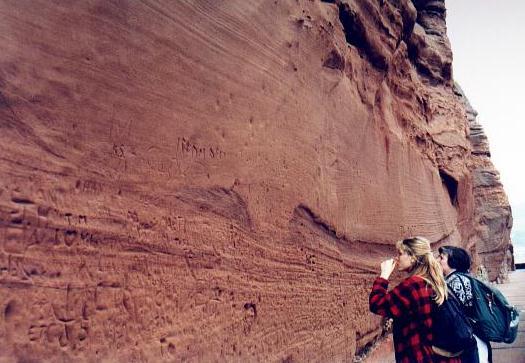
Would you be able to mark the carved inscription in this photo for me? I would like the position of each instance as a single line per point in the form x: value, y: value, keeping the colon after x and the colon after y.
x: 89, y: 186
x: 191, y: 149
x: 161, y: 159
x: 30, y: 224
x: 407, y: 230
x: 63, y: 333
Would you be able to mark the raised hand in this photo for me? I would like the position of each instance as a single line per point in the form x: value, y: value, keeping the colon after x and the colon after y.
x: 387, y: 267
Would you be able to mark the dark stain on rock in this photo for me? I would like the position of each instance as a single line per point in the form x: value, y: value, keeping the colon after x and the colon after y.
x: 217, y: 200
x: 334, y: 60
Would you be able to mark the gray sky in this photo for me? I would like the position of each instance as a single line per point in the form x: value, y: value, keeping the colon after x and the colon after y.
x: 488, y: 44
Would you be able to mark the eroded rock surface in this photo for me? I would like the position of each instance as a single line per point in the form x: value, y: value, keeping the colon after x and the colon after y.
x: 211, y: 181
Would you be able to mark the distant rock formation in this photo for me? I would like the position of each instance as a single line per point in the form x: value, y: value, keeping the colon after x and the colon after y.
x: 489, y: 240
x: 218, y: 181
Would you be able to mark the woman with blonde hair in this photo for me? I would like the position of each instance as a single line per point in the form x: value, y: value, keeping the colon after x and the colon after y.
x: 412, y: 302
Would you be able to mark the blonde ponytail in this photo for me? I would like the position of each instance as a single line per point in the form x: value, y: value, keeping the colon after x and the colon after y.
x: 425, y: 265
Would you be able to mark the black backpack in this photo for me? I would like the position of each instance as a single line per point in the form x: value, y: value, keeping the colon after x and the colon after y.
x: 493, y: 318
x: 451, y: 329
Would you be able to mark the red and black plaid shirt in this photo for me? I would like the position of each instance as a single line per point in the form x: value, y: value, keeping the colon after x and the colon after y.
x: 410, y: 305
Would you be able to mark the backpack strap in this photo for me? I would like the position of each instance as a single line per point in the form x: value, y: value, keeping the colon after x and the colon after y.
x: 454, y: 296
x: 467, y: 308
x: 462, y: 284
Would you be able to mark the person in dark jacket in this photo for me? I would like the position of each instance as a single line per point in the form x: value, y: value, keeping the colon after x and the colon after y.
x: 411, y: 303
x: 453, y: 260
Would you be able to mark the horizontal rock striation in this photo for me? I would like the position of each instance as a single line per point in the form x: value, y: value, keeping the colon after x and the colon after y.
x: 218, y: 181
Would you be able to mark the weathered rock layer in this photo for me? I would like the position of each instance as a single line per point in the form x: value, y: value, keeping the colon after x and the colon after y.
x: 210, y: 181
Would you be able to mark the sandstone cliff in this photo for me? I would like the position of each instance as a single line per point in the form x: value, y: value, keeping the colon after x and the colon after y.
x: 211, y: 181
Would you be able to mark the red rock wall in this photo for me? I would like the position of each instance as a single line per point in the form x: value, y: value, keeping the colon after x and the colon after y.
x: 210, y: 181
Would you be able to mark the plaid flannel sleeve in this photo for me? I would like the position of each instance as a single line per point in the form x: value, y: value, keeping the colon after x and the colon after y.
x: 393, y: 304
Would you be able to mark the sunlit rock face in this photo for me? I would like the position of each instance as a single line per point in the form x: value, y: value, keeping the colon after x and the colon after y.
x: 218, y: 181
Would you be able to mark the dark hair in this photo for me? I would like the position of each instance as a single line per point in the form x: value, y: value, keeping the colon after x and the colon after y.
x: 458, y: 258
